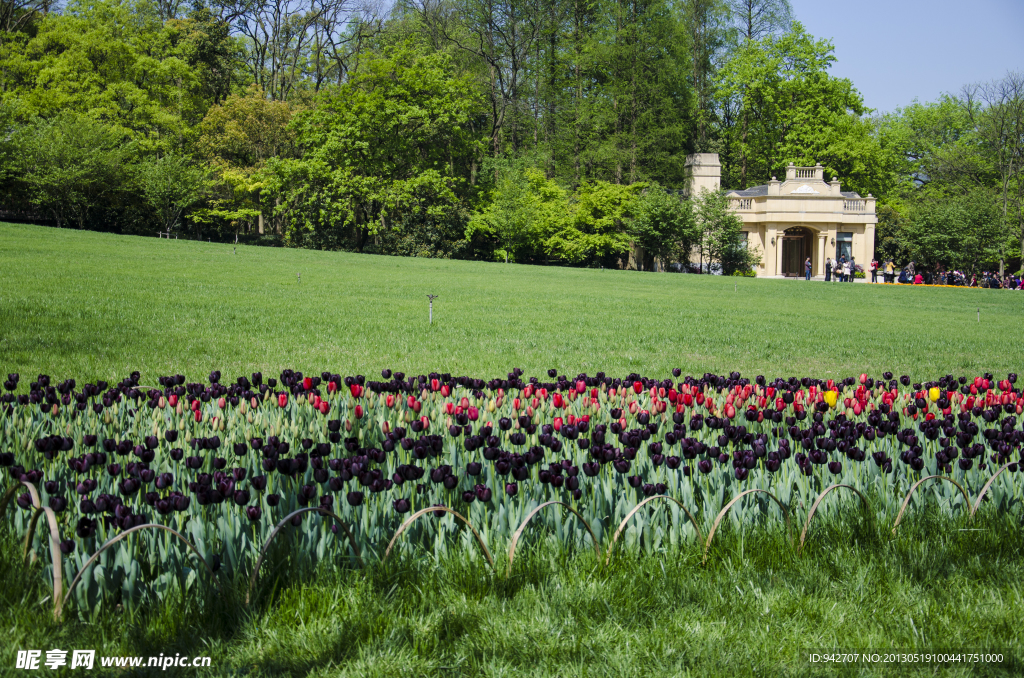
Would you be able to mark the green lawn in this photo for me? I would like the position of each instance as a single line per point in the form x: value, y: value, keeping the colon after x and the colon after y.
x: 92, y: 305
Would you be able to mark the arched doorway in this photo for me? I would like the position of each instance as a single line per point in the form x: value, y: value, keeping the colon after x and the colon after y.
x: 797, y: 245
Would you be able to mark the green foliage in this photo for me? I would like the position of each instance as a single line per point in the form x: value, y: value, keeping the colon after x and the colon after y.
x: 663, y: 225
x: 596, y: 229
x: 789, y: 109
x: 513, y: 210
x: 69, y: 164
x: 171, y: 185
x: 719, y: 234
x: 387, y: 147
x: 109, y: 60
x: 960, y: 232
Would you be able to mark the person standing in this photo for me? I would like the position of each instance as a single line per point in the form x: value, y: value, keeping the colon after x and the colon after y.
x: 853, y: 269
x: 807, y: 269
x: 828, y: 269
x: 889, y: 274
x: 874, y: 270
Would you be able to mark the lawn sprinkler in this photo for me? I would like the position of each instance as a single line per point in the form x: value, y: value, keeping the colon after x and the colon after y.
x: 431, y: 298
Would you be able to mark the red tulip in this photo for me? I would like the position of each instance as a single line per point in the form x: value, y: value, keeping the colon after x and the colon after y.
x: 332, y: 387
x: 390, y: 401
x: 324, y: 407
x: 173, y: 400
x: 282, y: 399
x: 516, y: 404
x: 474, y: 413
x: 730, y: 411
x: 449, y: 408
x: 581, y: 386
x: 558, y: 423
x: 221, y: 402
x: 417, y: 406
x: 359, y: 411
x: 557, y: 400
x: 198, y: 415
x: 637, y: 387
x: 307, y: 383
x: 445, y: 391
x: 435, y: 385
x: 356, y: 390
x: 425, y: 422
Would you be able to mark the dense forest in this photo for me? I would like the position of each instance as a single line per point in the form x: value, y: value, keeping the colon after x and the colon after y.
x: 544, y: 131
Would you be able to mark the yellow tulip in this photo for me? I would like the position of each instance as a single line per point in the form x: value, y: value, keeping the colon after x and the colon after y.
x: 831, y: 397
x: 934, y: 393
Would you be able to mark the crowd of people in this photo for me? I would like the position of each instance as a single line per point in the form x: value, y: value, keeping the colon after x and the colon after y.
x: 845, y: 270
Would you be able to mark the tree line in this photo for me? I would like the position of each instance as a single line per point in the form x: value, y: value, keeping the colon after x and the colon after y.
x: 547, y: 131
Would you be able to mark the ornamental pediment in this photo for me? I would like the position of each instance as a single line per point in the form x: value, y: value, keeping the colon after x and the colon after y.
x: 806, y: 190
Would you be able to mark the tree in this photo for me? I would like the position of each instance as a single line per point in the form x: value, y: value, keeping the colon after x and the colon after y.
x: 961, y: 232
x: 997, y: 112
x: 511, y: 211
x: 70, y: 164
x: 791, y: 109
x: 758, y: 19
x: 719, y: 235
x: 171, y: 185
x: 389, y: 147
x: 663, y: 226
x: 238, y: 138
x: 596, y: 230
x: 109, y: 60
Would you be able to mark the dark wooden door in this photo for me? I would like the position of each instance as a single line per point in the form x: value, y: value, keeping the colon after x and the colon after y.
x: 792, y: 256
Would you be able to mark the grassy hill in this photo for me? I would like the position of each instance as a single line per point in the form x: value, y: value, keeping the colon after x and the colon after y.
x: 93, y: 305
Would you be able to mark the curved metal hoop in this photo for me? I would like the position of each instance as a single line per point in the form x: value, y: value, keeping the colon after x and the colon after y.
x: 445, y: 509
x: 284, y: 521
x: 817, y: 501
x: 519, y: 531
x: 51, y: 519
x: 725, y: 509
x: 124, y: 535
x: 622, y: 525
x: 906, y: 500
x: 991, y: 480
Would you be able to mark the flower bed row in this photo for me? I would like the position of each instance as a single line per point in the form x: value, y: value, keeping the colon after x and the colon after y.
x: 222, y: 463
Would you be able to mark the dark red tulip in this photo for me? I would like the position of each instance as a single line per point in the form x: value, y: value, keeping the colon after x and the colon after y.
x: 401, y: 505
x: 273, y: 499
x: 67, y: 547
x: 254, y: 513
x: 511, y: 489
x: 473, y: 468
x: 483, y: 493
x: 836, y: 467
x: 704, y: 466
x: 354, y: 498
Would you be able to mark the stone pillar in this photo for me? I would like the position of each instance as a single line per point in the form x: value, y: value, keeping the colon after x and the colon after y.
x: 822, y: 248
x: 771, y: 256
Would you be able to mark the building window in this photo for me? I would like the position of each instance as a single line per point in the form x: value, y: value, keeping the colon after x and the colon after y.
x: 744, y: 240
x: 844, y: 245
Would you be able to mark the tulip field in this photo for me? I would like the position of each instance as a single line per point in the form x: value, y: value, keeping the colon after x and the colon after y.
x: 208, y: 474
x: 616, y: 512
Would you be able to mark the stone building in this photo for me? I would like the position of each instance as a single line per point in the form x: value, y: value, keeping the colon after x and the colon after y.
x: 803, y: 216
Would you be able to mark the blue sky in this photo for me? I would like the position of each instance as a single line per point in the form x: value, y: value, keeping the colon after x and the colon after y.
x: 896, y: 50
